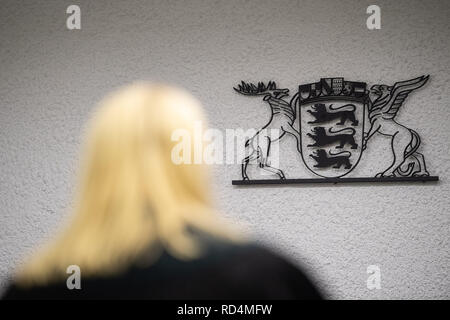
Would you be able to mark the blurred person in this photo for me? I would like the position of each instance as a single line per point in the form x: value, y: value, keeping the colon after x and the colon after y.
x: 144, y: 227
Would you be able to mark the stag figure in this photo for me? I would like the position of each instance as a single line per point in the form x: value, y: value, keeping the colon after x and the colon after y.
x: 282, y: 119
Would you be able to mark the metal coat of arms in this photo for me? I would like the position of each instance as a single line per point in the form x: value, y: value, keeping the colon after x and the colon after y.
x: 332, y: 121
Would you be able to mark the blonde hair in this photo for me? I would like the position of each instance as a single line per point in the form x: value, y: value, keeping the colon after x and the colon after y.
x: 131, y: 194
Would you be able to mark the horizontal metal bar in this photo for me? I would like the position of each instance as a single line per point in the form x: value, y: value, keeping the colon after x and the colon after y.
x: 333, y: 180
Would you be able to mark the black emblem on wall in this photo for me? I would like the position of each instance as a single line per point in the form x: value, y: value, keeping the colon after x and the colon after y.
x: 333, y: 121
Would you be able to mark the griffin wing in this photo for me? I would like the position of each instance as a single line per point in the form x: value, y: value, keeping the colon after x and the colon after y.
x: 399, y: 93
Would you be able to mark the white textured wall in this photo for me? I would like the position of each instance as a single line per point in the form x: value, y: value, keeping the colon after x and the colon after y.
x: 51, y: 78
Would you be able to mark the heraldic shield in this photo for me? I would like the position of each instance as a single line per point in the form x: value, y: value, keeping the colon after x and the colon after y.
x: 332, y: 120
x: 331, y: 115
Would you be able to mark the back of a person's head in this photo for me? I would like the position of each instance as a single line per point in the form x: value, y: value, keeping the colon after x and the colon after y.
x: 133, y: 192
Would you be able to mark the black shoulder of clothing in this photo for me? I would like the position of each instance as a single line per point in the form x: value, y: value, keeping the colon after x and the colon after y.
x: 224, y: 271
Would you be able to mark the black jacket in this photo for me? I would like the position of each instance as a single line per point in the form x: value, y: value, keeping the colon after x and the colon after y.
x: 225, y: 271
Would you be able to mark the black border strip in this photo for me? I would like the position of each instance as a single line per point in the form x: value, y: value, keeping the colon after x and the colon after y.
x: 333, y: 180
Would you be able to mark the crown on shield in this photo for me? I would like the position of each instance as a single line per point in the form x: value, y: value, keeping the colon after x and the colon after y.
x: 333, y: 87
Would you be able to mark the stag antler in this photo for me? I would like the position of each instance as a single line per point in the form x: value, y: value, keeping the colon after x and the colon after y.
x: 260, y: 89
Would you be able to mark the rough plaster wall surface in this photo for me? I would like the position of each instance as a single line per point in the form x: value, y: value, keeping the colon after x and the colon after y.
x: 51, y: 79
